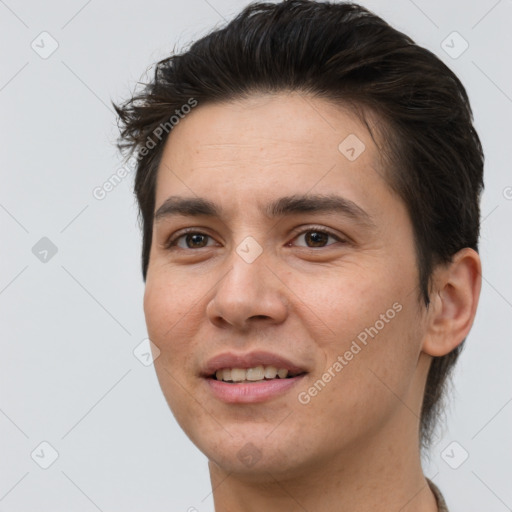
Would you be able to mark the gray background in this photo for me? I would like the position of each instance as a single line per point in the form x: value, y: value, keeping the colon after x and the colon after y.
x: 70, y: 323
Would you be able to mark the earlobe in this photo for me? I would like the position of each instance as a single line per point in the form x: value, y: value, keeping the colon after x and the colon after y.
x: 454, y: 301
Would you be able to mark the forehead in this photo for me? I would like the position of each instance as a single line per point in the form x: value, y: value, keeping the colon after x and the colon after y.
x: 271, y: 124
x: 243, y: 151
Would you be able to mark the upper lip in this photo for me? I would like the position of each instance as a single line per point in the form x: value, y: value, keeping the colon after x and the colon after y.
x: 249, y: 360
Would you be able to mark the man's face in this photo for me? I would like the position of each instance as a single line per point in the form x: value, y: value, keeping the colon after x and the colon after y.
x: 342, y: 307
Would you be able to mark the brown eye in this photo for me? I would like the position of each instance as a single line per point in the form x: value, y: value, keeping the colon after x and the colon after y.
x: 189, y: 240
x: 195, y: 240
x: 315, y: 238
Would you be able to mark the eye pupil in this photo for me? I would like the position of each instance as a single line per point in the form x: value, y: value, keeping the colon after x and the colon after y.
x: 317, y: 238
x: 195, y: 238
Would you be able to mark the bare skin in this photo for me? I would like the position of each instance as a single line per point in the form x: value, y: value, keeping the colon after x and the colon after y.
x: 352, y: 445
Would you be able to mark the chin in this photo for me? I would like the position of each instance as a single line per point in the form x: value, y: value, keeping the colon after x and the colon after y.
x: 254, y: 454
x: 253, y: 466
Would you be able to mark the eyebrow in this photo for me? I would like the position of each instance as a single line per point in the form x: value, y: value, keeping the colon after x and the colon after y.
x: 283, y: 206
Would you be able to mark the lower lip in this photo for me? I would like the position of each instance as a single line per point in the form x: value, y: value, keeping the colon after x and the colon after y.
x: 251, y: 392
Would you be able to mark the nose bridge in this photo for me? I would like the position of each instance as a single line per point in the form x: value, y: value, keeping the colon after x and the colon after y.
x: 248, y: 289
x: 248, y: 274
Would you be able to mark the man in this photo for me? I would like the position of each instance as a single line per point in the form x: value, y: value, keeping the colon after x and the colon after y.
x: 309, y: 182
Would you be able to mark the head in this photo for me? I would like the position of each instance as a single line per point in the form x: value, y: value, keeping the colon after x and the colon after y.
x: 275, y: 104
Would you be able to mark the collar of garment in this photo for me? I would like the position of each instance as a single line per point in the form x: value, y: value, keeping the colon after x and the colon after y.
x: 441, y: 503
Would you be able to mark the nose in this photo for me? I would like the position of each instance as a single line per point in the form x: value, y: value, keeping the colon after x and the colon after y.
x: 248, y: 295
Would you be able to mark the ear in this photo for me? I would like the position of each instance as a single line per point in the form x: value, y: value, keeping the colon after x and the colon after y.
x: 456, y: 289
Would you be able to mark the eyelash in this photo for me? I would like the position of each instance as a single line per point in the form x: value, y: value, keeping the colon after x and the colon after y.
x: 172, y: 241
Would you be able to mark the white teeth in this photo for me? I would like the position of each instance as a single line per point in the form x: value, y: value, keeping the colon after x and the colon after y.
x: 282, y: 374
x: 270, y: 372
x: 251, y: 374
x: 257, y: 373
x: 238, y: 375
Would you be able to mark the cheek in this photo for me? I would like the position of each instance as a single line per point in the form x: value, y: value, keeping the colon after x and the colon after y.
x: 170, y: 316
x: 156, y: 311
x: 372, y: 347
x: 373, y: 369
x: 343, y: 303
x: 167, y: 299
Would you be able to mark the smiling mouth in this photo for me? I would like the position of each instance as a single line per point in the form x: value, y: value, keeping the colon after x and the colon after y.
x: 253, y: 375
